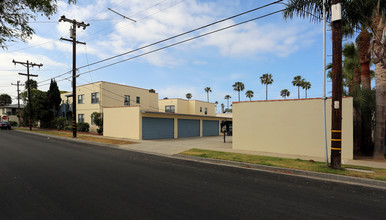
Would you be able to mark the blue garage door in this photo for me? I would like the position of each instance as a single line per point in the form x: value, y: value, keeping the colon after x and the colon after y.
x: 210, y: 128
x: 188, y: 128
x: 157, y: 128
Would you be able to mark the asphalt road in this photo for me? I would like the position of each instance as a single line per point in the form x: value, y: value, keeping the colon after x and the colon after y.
x: 45, y: 178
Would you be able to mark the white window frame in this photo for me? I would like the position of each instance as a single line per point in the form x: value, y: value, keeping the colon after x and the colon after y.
x: 170, y: 108
x: 95, y: 98
x: 80, y: 118
x: 81, y: 99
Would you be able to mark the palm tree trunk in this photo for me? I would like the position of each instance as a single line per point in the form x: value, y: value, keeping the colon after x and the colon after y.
x: 266, y: 92
x: 380, y: 92
x: 298, y: 92
x: 207, y: 94
x: 363, y: 41
x: 306, y: 93
x: 239, y: 96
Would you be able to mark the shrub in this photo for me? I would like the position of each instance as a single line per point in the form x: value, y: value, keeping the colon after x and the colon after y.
x: 59, y: 122
x: 13, y: 123
x: 100, y: 130
x: 83, y: 127
x: 68, y: 127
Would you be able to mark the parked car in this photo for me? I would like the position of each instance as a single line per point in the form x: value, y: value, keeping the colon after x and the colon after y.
x: 5, y: 125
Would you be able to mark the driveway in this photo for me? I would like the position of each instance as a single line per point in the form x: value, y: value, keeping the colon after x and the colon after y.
x: 174, y: 146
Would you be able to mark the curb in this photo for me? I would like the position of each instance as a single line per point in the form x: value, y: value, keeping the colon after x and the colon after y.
x: 292, y: 172
x: 70, y: 139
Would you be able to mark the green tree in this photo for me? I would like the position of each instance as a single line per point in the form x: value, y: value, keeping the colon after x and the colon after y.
x: 227, y: 97
x: 15, y: 16
x: 151, y: 90
x: 207, y: 90
x: 238, y: 86
x: 266, y: 79
x: 5, y: 99
x: 249, y: 94
x: 53, y: 97
x: 297, y: 82
x: 40, y: 109
x: 189, y: 96
x: 285, y: 93
x: 98, y: 121
x: 34, y: 84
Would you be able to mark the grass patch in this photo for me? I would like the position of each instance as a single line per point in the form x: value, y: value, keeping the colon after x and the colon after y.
x: 79, y: 136
x: 379, y: 174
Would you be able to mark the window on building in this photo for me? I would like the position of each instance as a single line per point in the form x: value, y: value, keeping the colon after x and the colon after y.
x: 138, y: 100
x: 94, y: 97
x: 126, y: 100
x: 81, y: 99
x: 92, y: 119
x: 200, y: 109
x: 170, y: 108
x: 206, y: 111
x: 80, y: 118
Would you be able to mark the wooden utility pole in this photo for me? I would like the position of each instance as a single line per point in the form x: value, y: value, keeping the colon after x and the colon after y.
x: 337, y: 87
x: 18, y: 99
x: 75, y: 24
x: 28, y: 64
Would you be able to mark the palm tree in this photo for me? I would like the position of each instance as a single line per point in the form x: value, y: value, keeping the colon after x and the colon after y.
x: 238, y: 86
x: 284, y: 93
x: 249, y: 94
x: 266, y: 79
x: 305, y: 85
x: 188, y: 95
x: 297, y: 82
x: 357, y: 15
x: 227, y: 97
x: 207, y: 90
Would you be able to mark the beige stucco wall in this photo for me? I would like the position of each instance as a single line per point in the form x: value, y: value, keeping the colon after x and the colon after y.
x: 192, y: 107
x: 289, y: 127
x: 122, y: 122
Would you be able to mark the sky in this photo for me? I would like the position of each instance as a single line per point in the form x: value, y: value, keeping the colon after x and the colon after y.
x: 283, y: 48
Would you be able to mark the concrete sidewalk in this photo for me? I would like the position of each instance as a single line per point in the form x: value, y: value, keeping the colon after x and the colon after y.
x: 216, y: 143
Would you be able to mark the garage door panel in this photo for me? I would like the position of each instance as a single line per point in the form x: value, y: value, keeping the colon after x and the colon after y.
x: 157, y: 128
x: 188, y: 128
x: 210, y: 128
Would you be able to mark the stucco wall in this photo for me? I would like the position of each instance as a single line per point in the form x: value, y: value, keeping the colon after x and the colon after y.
x: 289, y: 127
x: 122, y: 122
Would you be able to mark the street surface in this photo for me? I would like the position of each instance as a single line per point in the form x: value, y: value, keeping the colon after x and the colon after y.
x: 46, y: 178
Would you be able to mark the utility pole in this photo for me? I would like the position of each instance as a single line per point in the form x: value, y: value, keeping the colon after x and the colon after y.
x: 18, y: 99
x: 75, y: 24
x: 337, y: 87
x: 28, y: 64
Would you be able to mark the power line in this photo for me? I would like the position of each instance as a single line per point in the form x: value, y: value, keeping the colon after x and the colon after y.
x: 180, y: 42
x: 185, y: 33
x: 175, y: 36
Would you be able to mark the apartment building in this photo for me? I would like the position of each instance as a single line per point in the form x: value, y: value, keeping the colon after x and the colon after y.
x: 183, y: 106
x: 94, y: 97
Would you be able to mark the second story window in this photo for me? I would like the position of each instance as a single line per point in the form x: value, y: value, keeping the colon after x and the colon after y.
x: 81, y: 99
x: 138, y: 100
x: 94, y: 97
x: 170, y: 108
x: 206, y: 111
x: 200, y: 109
x: 126, y: 100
